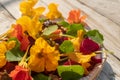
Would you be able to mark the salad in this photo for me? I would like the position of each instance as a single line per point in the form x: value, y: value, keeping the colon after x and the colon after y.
x: 41, y: 46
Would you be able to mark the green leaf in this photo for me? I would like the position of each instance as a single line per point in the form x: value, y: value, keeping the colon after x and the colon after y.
x: 71, y: 72
x: 64, y: 24
x: 41, y: 76
x: 74, y: 28
x: 50, y: 30
x: 15, y: 54
x: 96, y: 36
x: 66, y: 47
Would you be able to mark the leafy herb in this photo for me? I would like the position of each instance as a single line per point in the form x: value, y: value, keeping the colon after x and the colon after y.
x: 41, y: 76
x: 66, y: 46
x: 71, y: 72
x: 74, y: 28
x: 15, y: 54
x: 50, y: 30
x: 96, y: 36
x: 64, y: 24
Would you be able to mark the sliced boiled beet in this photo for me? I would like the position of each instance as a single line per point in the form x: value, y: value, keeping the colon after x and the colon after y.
x: 87, y: 46
x: 70, y: 62
x: 97, y: 58
x: 9, y: 66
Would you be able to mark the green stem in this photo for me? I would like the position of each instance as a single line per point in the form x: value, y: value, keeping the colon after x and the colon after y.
x: 67, y: 35
x: 106, y: 51
x: 24, y: 57
x: 27, y: 59
x: 63, y: 59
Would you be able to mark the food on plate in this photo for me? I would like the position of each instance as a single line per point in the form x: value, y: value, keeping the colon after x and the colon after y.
x: 47, y: 46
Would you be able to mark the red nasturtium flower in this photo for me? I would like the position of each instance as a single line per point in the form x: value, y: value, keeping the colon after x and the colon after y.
x: 23, y: 38
x: 75, y: 17
x: 20, y: 73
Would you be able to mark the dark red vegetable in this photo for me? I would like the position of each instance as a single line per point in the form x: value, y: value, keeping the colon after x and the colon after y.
x: 87, y: 46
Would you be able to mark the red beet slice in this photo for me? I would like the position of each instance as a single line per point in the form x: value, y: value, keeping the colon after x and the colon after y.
x: 9, y: 66
x: 88, y: 46
x: 97, y: 58
x: 71, y: 62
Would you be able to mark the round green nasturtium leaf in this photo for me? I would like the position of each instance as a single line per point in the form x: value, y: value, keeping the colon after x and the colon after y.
x: 96, y: 36
x: 71, y: 72
x: 66, y: 47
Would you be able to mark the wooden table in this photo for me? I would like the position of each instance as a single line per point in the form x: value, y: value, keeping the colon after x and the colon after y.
x: 103, y: 15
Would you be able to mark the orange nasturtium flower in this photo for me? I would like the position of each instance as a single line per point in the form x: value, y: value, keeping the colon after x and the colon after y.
x: 26, y: 7
x: 18, y: 33
x: 53, y: 11
x: 75, y: 17
x: 43, y: 56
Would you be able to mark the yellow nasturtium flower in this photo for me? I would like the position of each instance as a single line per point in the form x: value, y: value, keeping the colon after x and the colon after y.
x: 3, y: 50
x: 38, y: 11
x: 30, y: 19
x: 10, y: 45
x: 76, y: 41
x: 80, y: 58
x: 26, y: 8
x: 85, y: 66
x: 53, y: 11
x: 32, y: 26
x: 43, y: 56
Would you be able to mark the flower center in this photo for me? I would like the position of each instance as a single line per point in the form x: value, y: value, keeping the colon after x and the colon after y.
x: 40, y: 55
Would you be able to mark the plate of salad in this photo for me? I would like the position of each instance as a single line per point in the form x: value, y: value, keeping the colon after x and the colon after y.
x: 48, y: 46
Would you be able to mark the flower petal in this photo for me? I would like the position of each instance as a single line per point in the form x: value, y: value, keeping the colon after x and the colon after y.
x: 20, y: 73
x: 53, y: 11
x: 75, y: 17
x: 26, y: 7
x: 77, y: 41
x: 80, y: 58
x: 32, y: 26
x: 85, y: 66
x: 3, y: 50
x: 36, y: 64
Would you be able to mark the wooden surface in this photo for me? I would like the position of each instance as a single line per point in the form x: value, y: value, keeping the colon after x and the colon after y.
x: 103, y: 15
